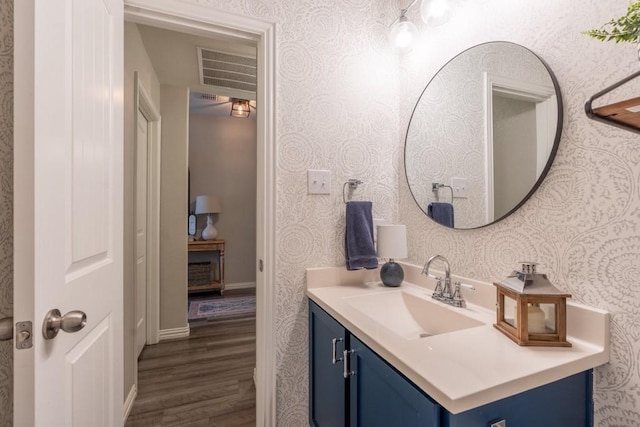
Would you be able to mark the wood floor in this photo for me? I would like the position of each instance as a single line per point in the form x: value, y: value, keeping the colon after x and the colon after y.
x: 204, y: 380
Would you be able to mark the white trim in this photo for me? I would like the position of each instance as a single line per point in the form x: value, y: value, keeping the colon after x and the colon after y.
x: 174, y: 333
x: 211, y: 22
x: 144, y: 104
x: 240, y: 285
x: 128, y: 403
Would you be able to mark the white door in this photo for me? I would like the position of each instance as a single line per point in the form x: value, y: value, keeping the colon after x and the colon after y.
x: 142, y: 143
x: 68, y: 209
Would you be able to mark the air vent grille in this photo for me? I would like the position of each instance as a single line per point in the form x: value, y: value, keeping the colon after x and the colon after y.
x: 208, y: 97
x: 227, y: 70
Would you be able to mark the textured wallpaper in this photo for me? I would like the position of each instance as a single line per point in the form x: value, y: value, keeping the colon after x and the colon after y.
x: 583, y: 223
x: 6, y: 205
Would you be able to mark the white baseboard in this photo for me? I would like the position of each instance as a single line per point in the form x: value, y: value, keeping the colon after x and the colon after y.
x: 172, y: 334
x: 128, y: 404
x: 240, y: 285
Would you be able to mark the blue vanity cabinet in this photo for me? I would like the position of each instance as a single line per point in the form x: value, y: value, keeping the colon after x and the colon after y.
x: 566, y: 402
x: 380, y: 396
x: 374, y: 393
x: 327, y: 385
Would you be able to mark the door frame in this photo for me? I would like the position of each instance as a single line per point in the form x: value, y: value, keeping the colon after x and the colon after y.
x: 541, y: 95
x: 208, y: 21
x: 144, y: 104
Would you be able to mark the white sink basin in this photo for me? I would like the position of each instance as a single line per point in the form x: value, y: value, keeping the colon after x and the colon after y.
x: 413, y: 316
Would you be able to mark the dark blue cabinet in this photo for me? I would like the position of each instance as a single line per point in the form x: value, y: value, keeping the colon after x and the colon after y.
x: 375, y: 394
x: 381, y: 397
x: 327, y: 386
x: 563, y: 403
x: 378, y: 395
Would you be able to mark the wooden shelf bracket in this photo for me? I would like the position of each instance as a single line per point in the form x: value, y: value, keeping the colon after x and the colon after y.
x: 623, y: 114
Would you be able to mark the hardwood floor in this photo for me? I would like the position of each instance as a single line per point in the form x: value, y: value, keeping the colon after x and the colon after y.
x: 204, y: 380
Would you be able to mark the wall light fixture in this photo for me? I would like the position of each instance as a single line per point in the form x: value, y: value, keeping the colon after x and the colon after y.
x: 404, y: 32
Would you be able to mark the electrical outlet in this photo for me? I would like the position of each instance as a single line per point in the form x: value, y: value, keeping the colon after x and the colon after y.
x: 318, y: 182
x: 459, y: 186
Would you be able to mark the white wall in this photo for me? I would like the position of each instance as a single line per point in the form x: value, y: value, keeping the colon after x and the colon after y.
x: 583, y: 223
x: 174, y: 109
x: 135, y: 60
x: 222, y: 162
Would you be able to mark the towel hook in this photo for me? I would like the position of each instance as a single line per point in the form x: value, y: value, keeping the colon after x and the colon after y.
x: 353, y: 184
x: 435, y: 186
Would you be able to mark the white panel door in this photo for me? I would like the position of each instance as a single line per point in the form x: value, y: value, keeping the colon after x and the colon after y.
x: 68, y: 209
x: 142, y: 143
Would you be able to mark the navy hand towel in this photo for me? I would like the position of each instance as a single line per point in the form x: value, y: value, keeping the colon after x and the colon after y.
x: 359, y: 249
x: 442, y: 213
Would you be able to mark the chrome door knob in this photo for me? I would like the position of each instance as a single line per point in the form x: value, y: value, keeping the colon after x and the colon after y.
x: 73, y: 321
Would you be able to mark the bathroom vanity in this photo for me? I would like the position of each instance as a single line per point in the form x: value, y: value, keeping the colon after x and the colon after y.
x: 393, y: 357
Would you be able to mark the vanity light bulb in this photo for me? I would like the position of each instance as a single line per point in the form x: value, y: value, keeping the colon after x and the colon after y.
x: 435, y: 12
x: 403, y: 34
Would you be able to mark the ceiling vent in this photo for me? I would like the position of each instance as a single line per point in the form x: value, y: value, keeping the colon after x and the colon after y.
x: 208, y: 97
x: 227, y: 70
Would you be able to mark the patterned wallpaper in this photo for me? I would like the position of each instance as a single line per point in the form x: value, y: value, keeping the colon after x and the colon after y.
x: 6, y: 205
x: 583, y: 223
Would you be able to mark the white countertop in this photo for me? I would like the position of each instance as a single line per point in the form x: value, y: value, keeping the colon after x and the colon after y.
x: 468, y: 368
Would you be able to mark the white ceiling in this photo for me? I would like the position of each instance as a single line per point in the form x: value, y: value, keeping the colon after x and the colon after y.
x: 175, y: 61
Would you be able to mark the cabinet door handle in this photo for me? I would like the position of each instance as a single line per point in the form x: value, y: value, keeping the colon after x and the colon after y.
x: 335, y: 359
x: 346, y: 373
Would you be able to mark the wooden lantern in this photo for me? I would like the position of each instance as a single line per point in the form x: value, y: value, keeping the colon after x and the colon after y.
x: 530, y: 310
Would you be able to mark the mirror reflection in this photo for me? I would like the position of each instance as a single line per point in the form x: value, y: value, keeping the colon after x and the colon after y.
x: 483, y: 135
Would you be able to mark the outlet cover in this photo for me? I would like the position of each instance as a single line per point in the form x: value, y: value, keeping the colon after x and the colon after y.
x: 460, y: 187
x: 318, y: 181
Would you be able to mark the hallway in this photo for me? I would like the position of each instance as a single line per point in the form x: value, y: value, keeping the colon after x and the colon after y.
x: 203, y: 380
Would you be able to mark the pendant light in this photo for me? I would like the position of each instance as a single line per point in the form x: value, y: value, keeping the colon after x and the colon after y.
x: 240, y: 108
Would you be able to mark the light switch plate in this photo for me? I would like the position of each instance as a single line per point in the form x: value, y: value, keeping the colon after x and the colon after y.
x: 318, y: 181
x: 460, y: 187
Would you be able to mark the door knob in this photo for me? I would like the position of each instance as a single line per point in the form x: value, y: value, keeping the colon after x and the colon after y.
x: 6, y: 328
x: 73, y: 321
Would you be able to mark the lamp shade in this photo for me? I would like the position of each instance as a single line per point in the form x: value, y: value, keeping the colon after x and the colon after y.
x: 392, y: 241
x: 208, y: 204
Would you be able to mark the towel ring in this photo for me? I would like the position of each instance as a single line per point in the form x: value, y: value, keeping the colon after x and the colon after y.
x: 353, y: 184
x: 435, y: 186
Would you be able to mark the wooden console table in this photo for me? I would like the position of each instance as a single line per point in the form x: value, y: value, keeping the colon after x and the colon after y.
x: 210, y: 246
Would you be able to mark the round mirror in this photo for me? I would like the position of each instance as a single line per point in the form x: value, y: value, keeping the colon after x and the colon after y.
x: 483, y: 135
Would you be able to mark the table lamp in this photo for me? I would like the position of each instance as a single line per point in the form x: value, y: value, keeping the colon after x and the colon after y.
x: 208, y: 205
x: 392, y: 243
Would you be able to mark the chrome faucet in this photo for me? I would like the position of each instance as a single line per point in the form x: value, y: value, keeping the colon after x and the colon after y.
x: 443, y: 293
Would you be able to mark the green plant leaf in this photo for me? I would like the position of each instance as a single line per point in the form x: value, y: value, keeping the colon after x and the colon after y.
x: 623, y: 29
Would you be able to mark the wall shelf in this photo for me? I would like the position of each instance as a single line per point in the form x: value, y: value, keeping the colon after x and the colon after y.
x: 623, y: 114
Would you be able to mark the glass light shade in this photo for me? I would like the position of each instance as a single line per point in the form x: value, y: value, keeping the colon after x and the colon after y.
x: 392, y: 241
x: 435, y: 12
x: 208, y: 204
x: 403, y: 34
x: 240, y: 108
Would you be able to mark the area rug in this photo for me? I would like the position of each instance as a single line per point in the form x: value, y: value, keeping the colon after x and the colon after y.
x: 222, y: 307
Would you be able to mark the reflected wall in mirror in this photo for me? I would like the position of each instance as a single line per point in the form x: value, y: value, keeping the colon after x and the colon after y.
x: 491, y: 118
